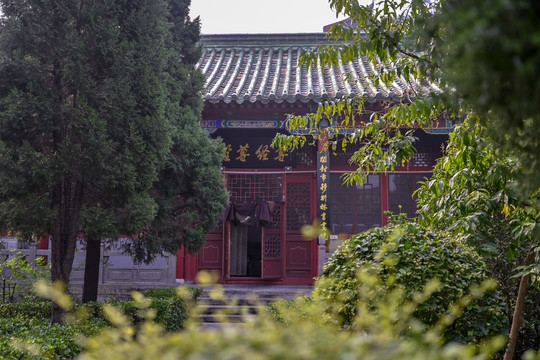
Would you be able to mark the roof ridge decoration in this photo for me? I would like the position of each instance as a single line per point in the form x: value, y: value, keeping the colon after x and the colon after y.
x: 264, y: 68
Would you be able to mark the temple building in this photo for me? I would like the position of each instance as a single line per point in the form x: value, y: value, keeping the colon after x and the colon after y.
x: 253, y: 82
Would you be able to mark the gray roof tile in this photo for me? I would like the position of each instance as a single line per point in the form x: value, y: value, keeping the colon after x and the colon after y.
x: 263, y: 67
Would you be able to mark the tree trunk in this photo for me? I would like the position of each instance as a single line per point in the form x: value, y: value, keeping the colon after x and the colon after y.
x: 67, y: 196
x: 518, y: 310
x: 91, y: 270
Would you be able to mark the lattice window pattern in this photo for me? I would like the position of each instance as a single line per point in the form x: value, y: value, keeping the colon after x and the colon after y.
x: 272, y: 246
x: 421, y: 159
x: 400, y: 192
x: 298, y: 205
x: 255, y: 187
x: 305, y: 156
x: 354, y: 208
x: 424, y: 159
x: 339, y: 157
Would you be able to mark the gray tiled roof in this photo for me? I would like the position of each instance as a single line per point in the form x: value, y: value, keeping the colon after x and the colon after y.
x: 263, y: 67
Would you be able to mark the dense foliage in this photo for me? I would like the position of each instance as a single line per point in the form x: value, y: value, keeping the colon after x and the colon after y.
x: 99, y: 113
x: 482, y: 65
x: 410, y: 256
x: 308, y: 334
x: 487, y: 52
x: 17, y: 276
x: 160, y: 293
x: 472, y: 194
x: 29, y: 307
x: 190, y: 190
x: 54, y: 341
x: 26, y: 322
x: 83, y: 130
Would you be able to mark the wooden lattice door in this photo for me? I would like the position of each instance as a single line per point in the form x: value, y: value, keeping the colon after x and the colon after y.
x: 272, y: 254
x: 261, y: 187
x: 299, y: 252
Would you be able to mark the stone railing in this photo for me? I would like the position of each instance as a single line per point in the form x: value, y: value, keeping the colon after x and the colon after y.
x: 117, y: 270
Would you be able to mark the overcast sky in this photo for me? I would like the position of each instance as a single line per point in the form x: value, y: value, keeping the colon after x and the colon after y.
x: 263, y: 16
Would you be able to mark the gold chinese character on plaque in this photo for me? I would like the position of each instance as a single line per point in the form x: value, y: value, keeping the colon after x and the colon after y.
x: 281, y: 155
x: 324, y: 159
x: 323, y: 207
x: 323, y: 216
x: 323, y: 225
x: 262, y: 152
x: 323, y: 177
x: 324, y: 198
x: 324, y: 168
x: 324, y: 187
x: 228, y: 149
x: 243, y: 153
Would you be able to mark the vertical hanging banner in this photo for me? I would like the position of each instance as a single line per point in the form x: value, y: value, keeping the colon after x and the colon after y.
x: 323, y: 188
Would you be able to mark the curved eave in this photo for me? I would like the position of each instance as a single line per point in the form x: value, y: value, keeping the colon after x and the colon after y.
x: 264, y: 68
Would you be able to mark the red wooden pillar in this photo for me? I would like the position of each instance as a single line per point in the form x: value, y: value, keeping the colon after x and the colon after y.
x: 180, y: 263
x: 322, y: 194
x: 43, y: 244
x: 186, y: 265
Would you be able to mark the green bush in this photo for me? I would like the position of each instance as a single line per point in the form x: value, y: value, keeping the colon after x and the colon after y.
x: 36, y: 308
x: 308, y: 334
x: 171, y: 310
x: 411, y: 256
x: 17, y: 276
x: 173, y: 292
x: 278, y: 309
x: 29, y: 323
x: 54, y: 341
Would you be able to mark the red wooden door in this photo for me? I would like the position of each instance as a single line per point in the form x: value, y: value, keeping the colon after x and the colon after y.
x: 272, y: 246
x: 300, y: 254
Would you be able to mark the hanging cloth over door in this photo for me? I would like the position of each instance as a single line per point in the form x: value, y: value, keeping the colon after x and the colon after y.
x: 257, y: 213
x: 242, y: 215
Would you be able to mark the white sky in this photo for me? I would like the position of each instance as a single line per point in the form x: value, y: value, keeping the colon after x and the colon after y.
x: 263, y: 16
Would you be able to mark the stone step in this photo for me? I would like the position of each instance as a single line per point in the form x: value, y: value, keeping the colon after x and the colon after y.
x: 217, y: 326
x: 229, y: 309
x: 237, y: 301
x: 225, y: 318
x: 286, y: 292
x: 241, y: 303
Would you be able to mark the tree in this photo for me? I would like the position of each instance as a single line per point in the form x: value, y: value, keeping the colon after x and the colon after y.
x: 83, y: 125
x: 191, y: 170
x: 472, y: 195
x: 484, y: 69
x: 190, y: 191
x: 481, y: 55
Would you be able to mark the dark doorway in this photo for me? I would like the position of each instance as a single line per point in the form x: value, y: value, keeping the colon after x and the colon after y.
x: 245, y: 250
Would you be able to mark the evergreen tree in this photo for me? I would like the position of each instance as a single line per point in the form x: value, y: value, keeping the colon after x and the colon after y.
x: 84, y: 123
x: 190, y: 191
